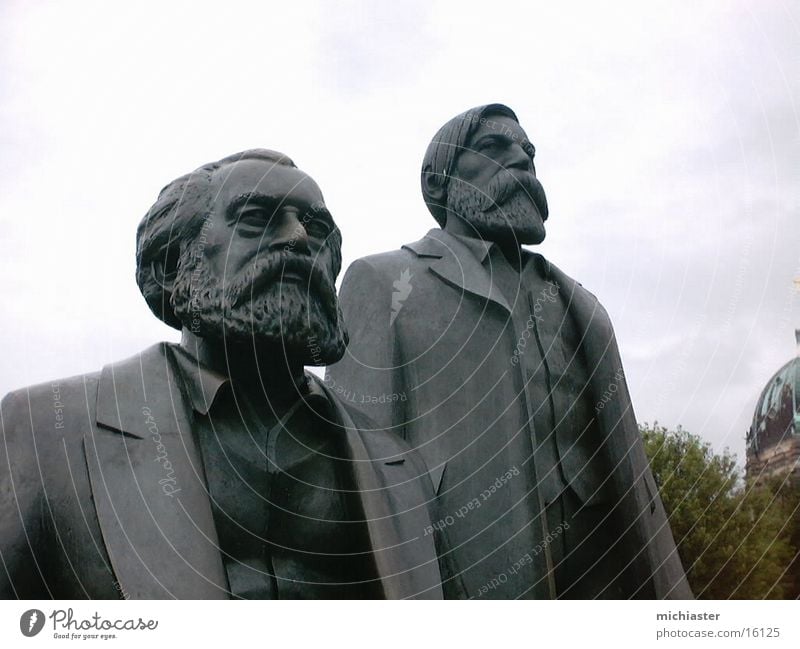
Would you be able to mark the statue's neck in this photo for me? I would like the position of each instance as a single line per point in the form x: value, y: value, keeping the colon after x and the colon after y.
x: 262, y: 371
x: 510, y: 247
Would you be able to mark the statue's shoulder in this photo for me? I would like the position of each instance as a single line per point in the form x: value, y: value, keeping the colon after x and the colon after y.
x: 63, y: 403
x: 427, y: 246
x: 71, y: 392
x: 38, y: 419
x: 144, y: 361
x: 379, y: 269
x: 386, y: 260
x: 579, y: 295
x: 554, y: 273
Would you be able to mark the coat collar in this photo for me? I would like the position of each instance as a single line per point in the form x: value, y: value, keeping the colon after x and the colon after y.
x: 124, y: 389
x: 460, y: 264
x: 454, y: 263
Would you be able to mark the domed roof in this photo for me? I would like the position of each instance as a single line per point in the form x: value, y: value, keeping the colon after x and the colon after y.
x: 777, y: 414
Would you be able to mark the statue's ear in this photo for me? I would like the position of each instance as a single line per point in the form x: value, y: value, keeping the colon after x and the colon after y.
x: 434, y: 185
x: 164, y: 268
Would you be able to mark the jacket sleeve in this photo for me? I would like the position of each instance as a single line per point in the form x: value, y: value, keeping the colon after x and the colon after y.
x: 21, y: 566
x: 369, y: 375
x: 652, y: 541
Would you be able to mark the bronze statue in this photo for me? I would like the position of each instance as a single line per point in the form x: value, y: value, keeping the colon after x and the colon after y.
x: 504, y: 373
x: 217, y: 468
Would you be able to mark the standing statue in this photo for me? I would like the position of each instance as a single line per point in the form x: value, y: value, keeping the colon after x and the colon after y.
x: 504, y: 373
x: 217, y: 468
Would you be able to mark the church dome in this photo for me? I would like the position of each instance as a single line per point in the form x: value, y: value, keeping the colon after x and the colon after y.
x: 777, y: 413
x: 773, y: 441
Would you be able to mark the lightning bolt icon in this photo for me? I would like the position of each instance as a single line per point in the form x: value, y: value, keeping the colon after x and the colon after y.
x: 32, y: 621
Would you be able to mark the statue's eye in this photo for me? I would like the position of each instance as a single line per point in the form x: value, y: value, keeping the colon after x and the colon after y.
x: 488, y: 144
x: 253, y: 216
x: 318, y: 228
x: 530, y: 150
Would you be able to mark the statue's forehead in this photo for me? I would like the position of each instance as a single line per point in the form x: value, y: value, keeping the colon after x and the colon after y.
x: 266, y: 177
x: 499, y: 124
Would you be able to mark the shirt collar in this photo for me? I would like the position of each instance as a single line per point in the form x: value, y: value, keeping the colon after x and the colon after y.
x: 202, y: 383
x: 478, y: 247
x: 482, y: 248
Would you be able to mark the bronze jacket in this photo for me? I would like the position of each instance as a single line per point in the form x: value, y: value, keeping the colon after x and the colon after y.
x: 430, y: 357
x: 87, y: 511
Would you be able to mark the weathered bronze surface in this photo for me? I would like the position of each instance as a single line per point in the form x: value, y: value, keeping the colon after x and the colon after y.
x: 504, y: 373
x: 217, y: 468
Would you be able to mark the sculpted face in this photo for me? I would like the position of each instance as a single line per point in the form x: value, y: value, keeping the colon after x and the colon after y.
x: 260, y: 270
x: 494, y: 186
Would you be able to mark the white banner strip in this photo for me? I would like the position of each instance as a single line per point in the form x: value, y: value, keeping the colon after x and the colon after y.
x: 404, y: 625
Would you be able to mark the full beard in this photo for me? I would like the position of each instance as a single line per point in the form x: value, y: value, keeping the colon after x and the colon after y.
x: 513, y: 208
x: 256, y: 308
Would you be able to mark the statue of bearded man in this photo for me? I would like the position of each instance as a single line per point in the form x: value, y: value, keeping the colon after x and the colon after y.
x: 217, y: 467
x: 493, y: 364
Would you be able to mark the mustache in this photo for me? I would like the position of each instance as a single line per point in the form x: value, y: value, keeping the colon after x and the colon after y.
x: 508, y: 182
x: 270, y: 268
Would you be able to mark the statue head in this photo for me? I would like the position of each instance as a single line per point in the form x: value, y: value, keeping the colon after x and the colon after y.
x: 244, y: 250
x: 479, y: 168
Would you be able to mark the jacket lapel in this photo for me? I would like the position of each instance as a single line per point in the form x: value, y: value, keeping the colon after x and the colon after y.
x: 394, y: 507
x: 148, y: 484
x: 453, y: 263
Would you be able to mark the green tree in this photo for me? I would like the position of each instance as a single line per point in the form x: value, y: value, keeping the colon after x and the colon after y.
x: 735, y: 539
x: 787, y: 492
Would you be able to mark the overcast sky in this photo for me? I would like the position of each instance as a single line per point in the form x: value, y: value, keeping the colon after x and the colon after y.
x: 667, y: 136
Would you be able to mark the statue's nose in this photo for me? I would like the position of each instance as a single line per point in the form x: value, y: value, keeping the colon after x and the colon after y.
x: 517, y: 158
x: 288, y: 232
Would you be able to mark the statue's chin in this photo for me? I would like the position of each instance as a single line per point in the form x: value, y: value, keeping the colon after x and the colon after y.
x: 534, y: 235
x: 512, y: 226
x: 313, y: 343
x: 529, y: 231
x: 528, y: 237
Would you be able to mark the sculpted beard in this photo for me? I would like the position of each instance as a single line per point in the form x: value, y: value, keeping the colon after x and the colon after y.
x: 254, y: 306
x: 514, y: 206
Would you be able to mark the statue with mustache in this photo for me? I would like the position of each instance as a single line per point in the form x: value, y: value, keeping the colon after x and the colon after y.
x: 512, y: 387
x: 217, y: 467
